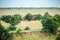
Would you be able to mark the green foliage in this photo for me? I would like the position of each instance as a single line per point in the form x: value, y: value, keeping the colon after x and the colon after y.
x: 13, y: 20
x: 28, y: 17
x: 57, y: 18
x: 19, y: 32
x: 6, y: 18
x: 11, y: 28
x: 46, y: 15
x: 4, y: 34
x: 27, y: 28
x: 37, y: 17
x: 50, y: 25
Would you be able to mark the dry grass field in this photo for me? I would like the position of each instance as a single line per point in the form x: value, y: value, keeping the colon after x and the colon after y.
x: 33, y: 25
x: 23, y: 11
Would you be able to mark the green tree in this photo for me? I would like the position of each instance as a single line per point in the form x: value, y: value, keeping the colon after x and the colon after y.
x: 57, y: 18
x: 13, y: 20
x: 4, y: 34
x: 50, y: 25
x: 46, y: 15
x: 28, y: 17
x: 11, y: 28
x: 6, y: 18
x: 37, y: 17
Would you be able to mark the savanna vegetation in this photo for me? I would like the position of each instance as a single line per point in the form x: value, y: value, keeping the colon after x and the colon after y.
x: 50, y: 30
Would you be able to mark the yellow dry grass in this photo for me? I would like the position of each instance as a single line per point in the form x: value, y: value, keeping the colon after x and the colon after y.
x: 33, y: 25
x: 23, y: 12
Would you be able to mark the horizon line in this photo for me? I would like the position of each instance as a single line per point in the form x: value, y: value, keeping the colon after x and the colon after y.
x: 29, y: 7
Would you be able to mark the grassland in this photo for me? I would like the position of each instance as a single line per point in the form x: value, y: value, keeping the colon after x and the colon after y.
x: 34, y: 25
x: 23, y: 11
x: 34, y: 36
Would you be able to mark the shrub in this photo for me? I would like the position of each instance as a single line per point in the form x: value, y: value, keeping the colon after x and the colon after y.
x: 11, y: 28
x: 13, y: 20
x: 50, y: 24
x: 27, y: 28
x: 19, y: 32
x: 4, y: 34
x: 37, y: 17
x: 28, y: 17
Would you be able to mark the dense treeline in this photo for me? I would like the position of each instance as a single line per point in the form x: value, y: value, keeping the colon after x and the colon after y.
x: 28, y: 17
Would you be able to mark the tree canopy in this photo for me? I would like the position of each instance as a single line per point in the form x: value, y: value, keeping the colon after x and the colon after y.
x: 13, y: 20
x: 4, y: 34
x: 37, y: 17
x: 46, y: 15
x: 50, y: 24
x: 28, y: 17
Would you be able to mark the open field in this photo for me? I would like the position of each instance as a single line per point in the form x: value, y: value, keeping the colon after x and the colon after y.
x: 33, y: 25
x: 23, y: 11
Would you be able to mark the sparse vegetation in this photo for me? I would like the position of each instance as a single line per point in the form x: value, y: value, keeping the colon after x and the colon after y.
x: 27, y: 28
x: 19, y: 32
x: 50, y: 25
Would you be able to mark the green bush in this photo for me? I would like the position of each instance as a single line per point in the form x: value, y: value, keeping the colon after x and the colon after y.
x: 13, y: 20
x: 19, y: 32
x: 37, y: 17
x: 28, y: 17
x: 50, y: 24
x: 4, y: 34
x: 57, y: 18
x: 27, y: 28
x: 11, y: 28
